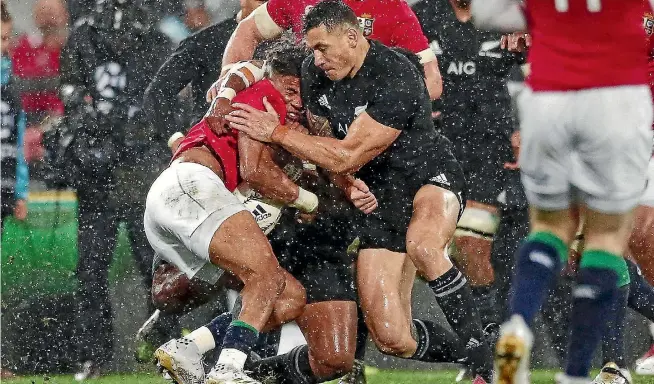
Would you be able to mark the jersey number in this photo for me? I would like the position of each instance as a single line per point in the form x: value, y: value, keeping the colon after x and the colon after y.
x: 592, y: 5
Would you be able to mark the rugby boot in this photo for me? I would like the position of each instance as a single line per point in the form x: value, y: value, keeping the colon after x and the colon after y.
x: 227, y: 374
x: 612, y: 374
x: 512, y: 352
x: 645, y: 364
x: 356, y: 376
x: 182, y: 361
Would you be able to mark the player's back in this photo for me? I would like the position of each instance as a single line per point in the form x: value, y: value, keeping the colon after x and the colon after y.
x: 580, y: 44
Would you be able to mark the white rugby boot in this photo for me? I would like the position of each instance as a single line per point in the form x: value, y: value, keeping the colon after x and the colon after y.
x: 182, y: 361
x: 612, y: 374
x: 512, y: 352
x: 645, y: 364
x: 228, y: 374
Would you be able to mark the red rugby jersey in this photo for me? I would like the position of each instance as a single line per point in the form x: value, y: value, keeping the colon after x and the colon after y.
x: 392, y: 22
x: 580, y: 44
x: 225, y: 147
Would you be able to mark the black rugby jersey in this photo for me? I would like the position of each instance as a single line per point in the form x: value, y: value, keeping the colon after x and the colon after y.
x: 392, y: 91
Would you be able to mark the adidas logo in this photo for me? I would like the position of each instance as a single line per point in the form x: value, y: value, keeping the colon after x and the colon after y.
x: 441, y: 179
x: 472, y: 343
x: 260, y: 213
x: 324, y: 102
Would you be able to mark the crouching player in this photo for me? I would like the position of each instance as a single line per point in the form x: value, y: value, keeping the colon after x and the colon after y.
x: 194, y: 222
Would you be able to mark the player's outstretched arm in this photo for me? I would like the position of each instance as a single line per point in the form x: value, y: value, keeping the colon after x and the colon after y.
x: 499, y: 15
x: 364, y: 141
x: 249, y: 33
x: 261, y: 172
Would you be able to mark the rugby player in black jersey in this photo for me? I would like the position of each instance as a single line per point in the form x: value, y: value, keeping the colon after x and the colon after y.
x: 380, y: 113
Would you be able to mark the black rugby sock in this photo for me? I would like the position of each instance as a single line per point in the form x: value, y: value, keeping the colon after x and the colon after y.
x: 455, y: 299
x: 486, y: 300
x: 290, y: 368
x: 437, y: 344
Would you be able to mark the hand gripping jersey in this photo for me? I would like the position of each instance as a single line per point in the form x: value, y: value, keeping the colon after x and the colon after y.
x: 580, y: 44
x: 390, y: 21
x: 225, y: 147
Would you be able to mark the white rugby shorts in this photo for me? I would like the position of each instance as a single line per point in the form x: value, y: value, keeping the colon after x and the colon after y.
x: 590, y: 147
x: 185, y: 207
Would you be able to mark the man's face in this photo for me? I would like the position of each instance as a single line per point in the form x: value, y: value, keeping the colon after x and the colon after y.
x: 289, y: 87
x: 6, y: 38
x: 334, y: 52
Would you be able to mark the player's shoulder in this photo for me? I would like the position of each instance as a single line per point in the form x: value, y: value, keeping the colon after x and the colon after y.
x: 211, y: 35
x: 390, y: 63
x: 253, y: 96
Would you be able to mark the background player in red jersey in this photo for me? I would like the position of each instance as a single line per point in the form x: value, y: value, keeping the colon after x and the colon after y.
x: 586, y: 138
x: 390, y: 21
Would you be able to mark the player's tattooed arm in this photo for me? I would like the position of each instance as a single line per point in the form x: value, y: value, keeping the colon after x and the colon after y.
x: 259, y: 169
x: 235, y: 78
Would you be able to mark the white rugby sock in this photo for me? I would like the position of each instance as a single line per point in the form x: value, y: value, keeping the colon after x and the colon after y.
x: 232, y: 357
x: 651, y: 329
x: 203, y: 339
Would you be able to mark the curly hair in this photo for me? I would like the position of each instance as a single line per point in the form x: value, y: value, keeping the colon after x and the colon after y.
x: 285, y: 57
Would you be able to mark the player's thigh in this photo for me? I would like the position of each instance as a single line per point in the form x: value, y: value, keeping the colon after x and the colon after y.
x: 185, y: 207
x: 435, y: 214
x: 612, y: 147
x: 545, y: 148
x: 239, y: 246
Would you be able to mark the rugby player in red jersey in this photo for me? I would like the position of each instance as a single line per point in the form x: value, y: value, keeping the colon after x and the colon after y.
x: 392, y: 22
x: 586, y: 121
x: 194, y: 222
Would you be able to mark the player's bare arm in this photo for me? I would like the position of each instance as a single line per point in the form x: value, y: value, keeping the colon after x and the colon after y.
x: 500, y: 15
x: 365, y: 139
x: 355, y: 189
x: 433, y: 78
x: 259, y: 169
x: 249, y: 33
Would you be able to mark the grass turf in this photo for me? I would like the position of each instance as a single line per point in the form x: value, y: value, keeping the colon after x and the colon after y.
x: 374, y: 377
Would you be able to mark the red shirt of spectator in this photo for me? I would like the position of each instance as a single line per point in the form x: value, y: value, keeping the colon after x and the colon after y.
x: 31, y: 60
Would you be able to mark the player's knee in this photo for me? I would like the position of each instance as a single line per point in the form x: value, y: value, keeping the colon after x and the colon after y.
x: 331, y: 364
x: 271, y: 280
x: 292, y: 301
x: 391, y: 341
x: 432, y: 249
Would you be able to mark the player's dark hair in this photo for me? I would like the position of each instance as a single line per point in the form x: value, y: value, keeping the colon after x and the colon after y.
x: 5, y: 17
x: 331, y: 14
x: 285, y: 57
x: 413, y: 58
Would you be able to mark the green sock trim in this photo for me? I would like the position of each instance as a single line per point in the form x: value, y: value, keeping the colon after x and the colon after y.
x: 243, y: 324
x: 595, y: 258
x: 552, y: 240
